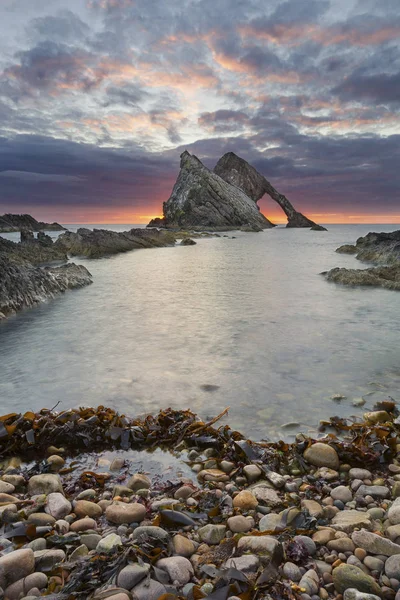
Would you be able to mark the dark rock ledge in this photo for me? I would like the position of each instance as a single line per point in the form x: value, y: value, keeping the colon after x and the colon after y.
x: 382, y: 249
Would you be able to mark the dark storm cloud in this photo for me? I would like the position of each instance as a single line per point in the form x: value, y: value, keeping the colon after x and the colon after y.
x: 382, y: 88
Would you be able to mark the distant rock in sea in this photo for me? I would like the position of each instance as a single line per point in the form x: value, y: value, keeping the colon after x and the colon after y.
x: 23, y: 283
x: 103, y: 242
x: 9, y: 223
x: 201, y: 198
x: 225, y: 198
x: 378, y: 248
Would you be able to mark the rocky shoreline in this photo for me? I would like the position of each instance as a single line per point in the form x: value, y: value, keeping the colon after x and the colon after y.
x: 10, y: 223
x: 381, y: 249
x: 312, y: 520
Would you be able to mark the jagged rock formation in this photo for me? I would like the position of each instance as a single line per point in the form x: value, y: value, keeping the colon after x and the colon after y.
x: 9, y: 223
x: 378, y: 248
x: 102, y: 242
x: 238, y: 172
x: 23, y: 284
x: 201, y: 198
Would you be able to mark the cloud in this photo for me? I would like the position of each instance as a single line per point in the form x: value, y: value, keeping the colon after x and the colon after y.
x: 382, y: 88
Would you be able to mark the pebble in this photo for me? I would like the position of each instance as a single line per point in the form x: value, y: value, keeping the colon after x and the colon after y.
x: 149, y: 532
x: 46, y: 560
x: 292, y: 571
x: 248, y: 563
x: 376, y: 491
x: 252, y: 473
x: 353, y: 594
x: 392, y: 567
x: 178, y: 568
x: 349, y: 520
x: 109, y: 543
x: 376, y: 544
x: 84, y: 508
x: 16, y: 565
x: 350, y: 576
x: 212, y: 534
x: 266, y: 495
x: 83, y: 525
x: 148, y: 589
x: 310, y: 582
x: 322, y: 455
x: 44, y: 484
x: 131, y: 575
x: 240, y: 524
x: 121, y: 512
x: 139, y: 482
x: 183, y: 546
x: 342, y: 493
x: 245, y: 500
x: 362, y: 474
x: 57, y: 505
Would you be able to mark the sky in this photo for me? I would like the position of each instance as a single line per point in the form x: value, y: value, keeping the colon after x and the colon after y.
x: 98, y: 99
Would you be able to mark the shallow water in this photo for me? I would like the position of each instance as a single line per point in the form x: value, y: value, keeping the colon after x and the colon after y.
x: 247, y: 323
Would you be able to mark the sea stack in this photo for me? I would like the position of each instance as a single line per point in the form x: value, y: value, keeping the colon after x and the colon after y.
x: 201, y: 198
x: 238, y: 172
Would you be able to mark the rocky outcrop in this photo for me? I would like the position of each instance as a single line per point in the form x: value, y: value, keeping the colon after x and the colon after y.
x: 9, y: 223
x: 240, y: 173
x: 102, y: 242
x: 23, y: 285
x: 201, y: 198
x: 379, y: 248
x: 386, y: 277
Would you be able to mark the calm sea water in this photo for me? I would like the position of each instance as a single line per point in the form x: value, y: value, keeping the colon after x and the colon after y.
x: 247, y: 323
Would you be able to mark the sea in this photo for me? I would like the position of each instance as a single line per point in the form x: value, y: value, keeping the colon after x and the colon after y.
x: 244, y: 320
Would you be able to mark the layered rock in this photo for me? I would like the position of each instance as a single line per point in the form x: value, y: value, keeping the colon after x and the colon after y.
x: 9, y: 223
x: 380, y: 248
x: 23, y: 283
x: 240, y: 173
x: 102, y: 242
x: 201, y: 198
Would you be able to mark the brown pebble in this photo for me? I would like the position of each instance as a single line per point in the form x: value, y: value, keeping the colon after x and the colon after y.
x: 360, y: 553
x: 336, y: 563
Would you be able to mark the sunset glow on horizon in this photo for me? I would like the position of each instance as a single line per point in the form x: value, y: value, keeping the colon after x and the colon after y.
x: 98, y: 99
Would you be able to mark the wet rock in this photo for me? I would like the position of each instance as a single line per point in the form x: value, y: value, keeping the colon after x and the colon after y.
x: 46, y: 560
x: 16, y: 565
x: 322, y: 455
x: 183, y: 546
x: 184, y: 492
x: 371, y: 542
x: 212, y: 534
x: 176, y: 519
x: 139, y: 481
x: 307, y: 542
x: 109, y: 543
x: 6, y: 488
x: 55, y: 462
x: 350, y: 576
x: 125, y: 513
x: 57, y: 505
x: 344, y: 544
x: 348, y: 520
x: 323, y: 536
x: 270, y: 522
x: 178, y: 568
x: 213, y: 475
x: 188, y: 242
x: 84, y: 508
x: 131, y: 575
x: 44, y: 484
